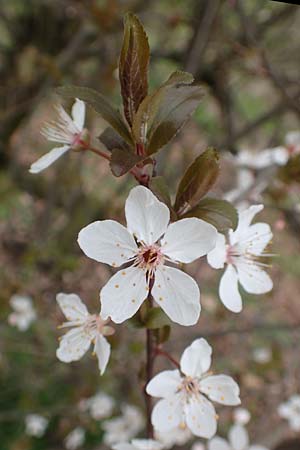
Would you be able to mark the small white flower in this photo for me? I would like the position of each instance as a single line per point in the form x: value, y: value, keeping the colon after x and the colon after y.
x: 290, y: 410
x: 147, y: 243
x: 24, y: 313
x: 86, y: 329
x: 242, y: 252
x: 35, y: 425
x: 198, y: 446
x: 138, y: 444
x: 67, y: 131
x: 183, y: 402
x: 262, y: 355
x: 100, y: 406
x: 177, y: 436
x: 292, y: 142
x: 241, y: 416
x: 277, y: 156
x: 75, y: 438
x: 238, y: 440
x: 124, y: 427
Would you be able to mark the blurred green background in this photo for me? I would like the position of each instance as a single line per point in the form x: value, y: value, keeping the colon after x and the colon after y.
x: 246, y: 54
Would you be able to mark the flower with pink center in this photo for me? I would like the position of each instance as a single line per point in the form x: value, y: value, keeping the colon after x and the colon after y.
x: 242, y: 253
x: 186, y: 394
x: 67, y: 131
x: 86, y: 329
x: 148, y: 242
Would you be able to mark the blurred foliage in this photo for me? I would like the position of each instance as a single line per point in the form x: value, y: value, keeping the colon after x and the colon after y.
x: 245, y: 54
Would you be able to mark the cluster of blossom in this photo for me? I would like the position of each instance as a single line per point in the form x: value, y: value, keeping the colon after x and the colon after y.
x: 146, y: 247
x: 250, y: 165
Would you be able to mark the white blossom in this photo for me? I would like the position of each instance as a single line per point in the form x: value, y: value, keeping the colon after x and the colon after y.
x: 290, y: 411
x: 75, y: 438
x: 23, y: 314
x: 262, y: 159
x: 262, y: 355
x: 277, y: 156
x: 100, y: 406
x: 238, y: 440
x: 67, y: 131
x: 242, y: 252
x: 186, y: 393
x: 241, y: 416
x: 177, y: 436
x: 85, y: 329
x: 139, y: 444
x: 148, y: 242
x: 198, y: 446
x: 35, y: 425
x: 124, y: 427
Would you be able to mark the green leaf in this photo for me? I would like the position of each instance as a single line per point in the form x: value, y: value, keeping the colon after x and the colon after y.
x: 220, y: 213
x: 101, y: 105
x: 133, y: 66
x: 112, y: 140
x: 159, y: 187
x: 197, y: 180
x: 122, y: 161
x: 162, y: 334
x: 156, y: 318
x: 162, y: 114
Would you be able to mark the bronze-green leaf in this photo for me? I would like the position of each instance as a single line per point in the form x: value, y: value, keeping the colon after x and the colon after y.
x: 101, y: 105
x: 197, y: 180
x: 133, y: 66
x: 112, y: 140
x: 220, y: 213
x: 156, y: 318
x: 162, y: 114
x: 122, y: 161
x: 159, y: 187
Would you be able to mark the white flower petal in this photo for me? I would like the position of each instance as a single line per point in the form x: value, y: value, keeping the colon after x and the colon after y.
x: 228, y: 290
x: 255, y: 238
x: 78, y: 113
x: 48, y: 159
x: 147, y: 218
x: 201, y: 417
x: 108, y: 242
x: 102, y: 350
x: 217, y: 257
x: 292, y: 138
x: 218, y: 443
x: 245, y: 218
x: 196, y: 358
x: 280, y: 155
x: 123, y: 294
x: 167, y: 413
x: 188, y: 239
x: 164, y: 384
x: 73, y: 345
x: 72, y: 307
x: 146, y: 444
x: 257, y: 447
x: 177, y: 294
x: 253, y: 279
x: 222, y: 389
x: 123, y: 446
x: 238, y: 437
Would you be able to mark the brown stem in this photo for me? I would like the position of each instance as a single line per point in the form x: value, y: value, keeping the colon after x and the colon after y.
x: 161, y: 352
x: 98, y: 152
x: 149, y: 375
